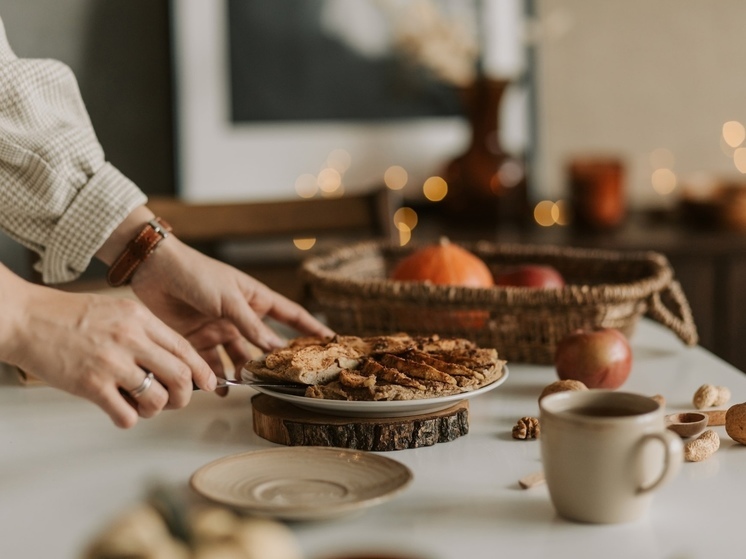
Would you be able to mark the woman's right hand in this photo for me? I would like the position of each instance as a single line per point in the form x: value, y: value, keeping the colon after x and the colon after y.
x: 98, y: 347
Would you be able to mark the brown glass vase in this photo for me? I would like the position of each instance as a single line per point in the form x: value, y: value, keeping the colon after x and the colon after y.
x: 484, y: 182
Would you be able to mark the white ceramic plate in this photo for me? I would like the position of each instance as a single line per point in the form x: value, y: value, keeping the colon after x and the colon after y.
x: 301, y: 483
x: 384, y: 408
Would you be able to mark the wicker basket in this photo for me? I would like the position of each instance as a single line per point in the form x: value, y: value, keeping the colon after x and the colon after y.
x: 604, y: 288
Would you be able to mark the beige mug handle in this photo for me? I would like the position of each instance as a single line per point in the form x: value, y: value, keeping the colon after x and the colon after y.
x: 672, y: 459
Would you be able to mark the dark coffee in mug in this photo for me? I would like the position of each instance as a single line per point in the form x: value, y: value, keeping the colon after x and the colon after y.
x: 605, y: 411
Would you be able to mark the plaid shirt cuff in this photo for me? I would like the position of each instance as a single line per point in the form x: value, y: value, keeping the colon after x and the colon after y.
x: 100, y: 206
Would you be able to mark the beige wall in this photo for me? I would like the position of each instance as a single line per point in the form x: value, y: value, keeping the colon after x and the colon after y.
x: 627, y: 77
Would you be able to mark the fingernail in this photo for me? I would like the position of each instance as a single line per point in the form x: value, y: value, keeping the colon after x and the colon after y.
x: 273, y: 342
x: 212, y: 382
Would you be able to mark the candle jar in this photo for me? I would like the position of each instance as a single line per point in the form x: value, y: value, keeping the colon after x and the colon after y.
x: 597, y: 194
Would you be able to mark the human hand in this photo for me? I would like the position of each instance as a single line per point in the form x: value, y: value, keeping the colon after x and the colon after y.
x: 97, y: 346
x: 214, y: 304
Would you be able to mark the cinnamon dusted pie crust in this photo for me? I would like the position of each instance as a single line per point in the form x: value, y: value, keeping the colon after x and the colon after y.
x: 398, y: 367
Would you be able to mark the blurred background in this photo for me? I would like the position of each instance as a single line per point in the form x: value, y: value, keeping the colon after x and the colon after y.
x: 616, y: 124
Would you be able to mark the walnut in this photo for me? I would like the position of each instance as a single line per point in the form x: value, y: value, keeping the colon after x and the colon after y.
x: 562, y: 386
x: 702, y: 447
x: 708, y: 396
x: 735, y: 423
x: 526, y: 428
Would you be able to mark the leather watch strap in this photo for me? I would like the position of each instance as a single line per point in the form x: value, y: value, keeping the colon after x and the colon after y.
x: 137, y: 251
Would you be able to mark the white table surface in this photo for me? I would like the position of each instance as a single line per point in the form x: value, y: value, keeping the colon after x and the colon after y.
x: 66, y: 471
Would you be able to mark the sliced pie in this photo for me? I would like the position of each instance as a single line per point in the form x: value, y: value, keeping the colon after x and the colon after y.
x: 398, y: 367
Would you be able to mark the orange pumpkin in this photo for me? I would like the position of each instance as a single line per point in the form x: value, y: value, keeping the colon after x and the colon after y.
x: 445, y: 263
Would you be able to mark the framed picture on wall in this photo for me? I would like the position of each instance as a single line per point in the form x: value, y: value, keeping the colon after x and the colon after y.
x: 271, y: 94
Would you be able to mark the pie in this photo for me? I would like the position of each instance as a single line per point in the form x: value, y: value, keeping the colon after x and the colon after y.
x: 397, y: 367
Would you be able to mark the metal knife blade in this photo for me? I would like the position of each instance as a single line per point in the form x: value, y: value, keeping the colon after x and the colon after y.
x: 285, y: 387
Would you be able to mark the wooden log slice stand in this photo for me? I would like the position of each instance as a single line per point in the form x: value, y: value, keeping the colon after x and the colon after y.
x: 284, y: 423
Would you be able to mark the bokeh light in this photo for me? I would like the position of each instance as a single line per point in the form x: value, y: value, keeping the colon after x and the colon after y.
x: 305, y: 243
x: 329, y: 180
x: 561, y: 212
x: 548, y: 213
x: 543, y: 213
x: 306, y: 186
x: 435, y: 189
x: 739, y: 158
x: 734, y: 133
x: 395, y: 177
x: 405, y: 217
x: 336, y: 193
x: 405, y: 234
x: 664, y: 181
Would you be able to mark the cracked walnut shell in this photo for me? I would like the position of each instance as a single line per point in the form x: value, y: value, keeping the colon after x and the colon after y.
x: 526, y: 428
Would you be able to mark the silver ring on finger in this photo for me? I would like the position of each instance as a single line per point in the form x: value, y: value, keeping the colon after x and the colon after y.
x: 140, y: 390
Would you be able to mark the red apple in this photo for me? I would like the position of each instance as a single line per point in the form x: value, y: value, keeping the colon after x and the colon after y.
x: 600, y: 358
x: 530, y: 275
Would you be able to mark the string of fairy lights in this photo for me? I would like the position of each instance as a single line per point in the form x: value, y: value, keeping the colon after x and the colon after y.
x: 664, y: 181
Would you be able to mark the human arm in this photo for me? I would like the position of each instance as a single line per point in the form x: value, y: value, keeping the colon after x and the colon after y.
x: 60, y: 198
x: 96, y: 347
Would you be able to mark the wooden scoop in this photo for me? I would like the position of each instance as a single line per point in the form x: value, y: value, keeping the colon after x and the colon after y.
x: 687, y: 424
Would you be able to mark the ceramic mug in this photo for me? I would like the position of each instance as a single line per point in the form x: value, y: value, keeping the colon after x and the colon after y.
x: 604, y: 453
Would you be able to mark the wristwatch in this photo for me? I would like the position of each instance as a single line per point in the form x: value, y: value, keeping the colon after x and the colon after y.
x: 137, y: 251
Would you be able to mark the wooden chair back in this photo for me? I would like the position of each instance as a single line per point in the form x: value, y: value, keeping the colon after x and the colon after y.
x: 257, y: 237
x: 369, y: 213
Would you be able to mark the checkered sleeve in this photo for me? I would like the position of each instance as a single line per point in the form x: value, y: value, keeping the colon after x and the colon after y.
x: 58, y: 195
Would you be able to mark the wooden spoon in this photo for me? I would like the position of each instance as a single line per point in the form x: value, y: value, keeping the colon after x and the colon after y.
x: 687, y: 424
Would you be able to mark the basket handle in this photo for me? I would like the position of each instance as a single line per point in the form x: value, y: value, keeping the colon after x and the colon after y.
x: 680, y: 319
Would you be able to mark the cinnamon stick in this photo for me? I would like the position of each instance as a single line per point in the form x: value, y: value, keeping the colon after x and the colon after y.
x: 714, y: 417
